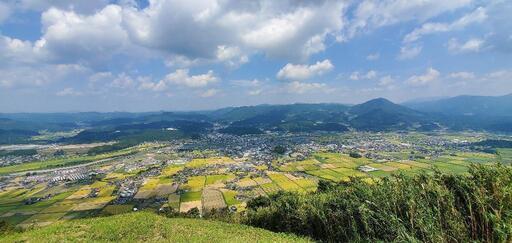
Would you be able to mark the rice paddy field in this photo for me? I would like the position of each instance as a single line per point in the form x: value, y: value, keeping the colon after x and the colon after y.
x: 197, y: 163
x: 215, y: 186
x: 340, y: 167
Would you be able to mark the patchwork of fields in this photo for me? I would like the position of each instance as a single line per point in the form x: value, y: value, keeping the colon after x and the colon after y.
x: 209, y: 183
x: 340, y: 167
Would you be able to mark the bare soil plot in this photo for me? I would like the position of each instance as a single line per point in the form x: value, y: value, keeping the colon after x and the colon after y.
x: 145, y: 194
x: 93, y: 203
x: 186, y: 206
x: 213, y: 199
x: 166, y: 189
x: 383, y: 167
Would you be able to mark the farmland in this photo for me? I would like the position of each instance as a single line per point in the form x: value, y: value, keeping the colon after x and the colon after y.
x: 49, y: 164
x: 157, y: 177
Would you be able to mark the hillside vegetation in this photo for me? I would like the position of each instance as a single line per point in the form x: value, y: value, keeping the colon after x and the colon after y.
x: 147, y: 227
x: 426, y: 208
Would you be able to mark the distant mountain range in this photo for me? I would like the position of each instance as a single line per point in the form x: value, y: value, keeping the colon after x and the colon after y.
x: 467, y: 106
x: 457, y: 113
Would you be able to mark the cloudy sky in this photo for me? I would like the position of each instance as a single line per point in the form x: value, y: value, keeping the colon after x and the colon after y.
x: 147, y: 55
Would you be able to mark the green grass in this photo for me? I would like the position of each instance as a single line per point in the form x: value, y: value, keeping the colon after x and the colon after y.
x: 505, y: 155
x: 148, y: 227
x: 380, y: 173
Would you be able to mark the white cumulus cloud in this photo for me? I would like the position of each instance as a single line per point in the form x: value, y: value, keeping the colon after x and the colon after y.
x: 297, y: 87
x: 182, y: 77
x: 424, y: 79
x: 303, y: 72
x: 358, y: 76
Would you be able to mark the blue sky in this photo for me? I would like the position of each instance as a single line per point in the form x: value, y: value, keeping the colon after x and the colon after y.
x: 101, y: 55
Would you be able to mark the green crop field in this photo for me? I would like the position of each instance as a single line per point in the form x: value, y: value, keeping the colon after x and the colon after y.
x: 329, y: 174
x: 172, y: 170
x: 229, y: 197
x: 270, y: 188
x: 195, y: 183
x: 191, y: 196
x: 341, y: 160
x: 213, y: 179
x: 196, y: 163
x: 48, y: 164
x: 307, y: 184
x: 304, y: 165
x: 284, y: 183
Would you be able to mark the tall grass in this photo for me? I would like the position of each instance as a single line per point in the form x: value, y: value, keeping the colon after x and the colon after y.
x: 429, y: 208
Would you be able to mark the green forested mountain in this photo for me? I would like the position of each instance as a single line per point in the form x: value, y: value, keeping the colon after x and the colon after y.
x: 458, y: 113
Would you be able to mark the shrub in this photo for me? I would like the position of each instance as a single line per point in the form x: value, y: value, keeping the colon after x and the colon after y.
x: 430, y: 208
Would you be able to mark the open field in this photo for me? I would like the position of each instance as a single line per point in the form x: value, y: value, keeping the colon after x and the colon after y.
x: 284, y: 182
x: 187, y: 206
x: 195, y: 183
x: 307, y: 184
x: 53, y: 163
x: 116, y: 209
x: 173, y: 200
x: 172, y: 170
x: 191, y: 196
x: 196, y: 163
x: 230, y: 197
x: 213, y: 199
x: 214, y: 179
x: 270, y: 188
x: 340, y: 160
x: 199, y: 184
x: 505, y: 155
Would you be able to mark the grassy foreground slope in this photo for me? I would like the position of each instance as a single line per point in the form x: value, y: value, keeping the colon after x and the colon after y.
x: 148, y: 227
